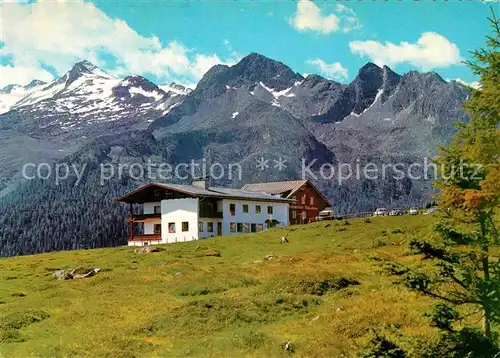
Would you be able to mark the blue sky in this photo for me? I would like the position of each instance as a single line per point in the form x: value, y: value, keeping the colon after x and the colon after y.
x: 180, y: 40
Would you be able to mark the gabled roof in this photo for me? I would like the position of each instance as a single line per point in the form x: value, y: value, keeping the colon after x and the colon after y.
x: 213, y: 192
x: 281, y: 187
x: 275, y: 187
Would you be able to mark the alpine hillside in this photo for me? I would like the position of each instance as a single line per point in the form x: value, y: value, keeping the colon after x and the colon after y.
x: 257, y: 108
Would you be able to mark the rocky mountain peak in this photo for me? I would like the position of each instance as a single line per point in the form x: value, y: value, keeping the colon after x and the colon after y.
x: 137, y: 85
x: 369, y: 71
x: 251, y: 70
x: 136, y: 81
x: 84, y: 68
x: 373, y: 81
x: 258, y: 68
x: 35, y: 83
x: 9, y: 88
x: 175, y: 89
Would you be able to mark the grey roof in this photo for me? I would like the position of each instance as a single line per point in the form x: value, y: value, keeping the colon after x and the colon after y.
x: 246, y: 193
x: 215, y: 192
x: 281, y: 187
x: 275, y: 187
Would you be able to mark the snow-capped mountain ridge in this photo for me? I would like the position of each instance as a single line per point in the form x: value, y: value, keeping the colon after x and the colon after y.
x: 86, y: 98
x: 86, y: 82
x: 13, y: 93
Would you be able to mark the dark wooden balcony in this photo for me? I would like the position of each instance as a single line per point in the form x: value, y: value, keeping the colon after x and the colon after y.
x: 143, y: 237
x: 210, y: 214
x: 143, y: 217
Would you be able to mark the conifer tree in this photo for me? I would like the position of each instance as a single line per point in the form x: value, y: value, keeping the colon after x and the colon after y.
x: 465, y: 259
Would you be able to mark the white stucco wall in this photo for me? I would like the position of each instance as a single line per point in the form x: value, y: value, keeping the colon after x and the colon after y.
x: 186, y: 210
x: 280, y: 213
x: 205, y: 234
x: 149, y: 208
x: 178, y: 211
x: 143, y: 243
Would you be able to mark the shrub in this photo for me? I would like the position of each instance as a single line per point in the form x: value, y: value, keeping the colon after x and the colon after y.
x: 10, y: 335
x: 19, y: 320
x: 381, y: 347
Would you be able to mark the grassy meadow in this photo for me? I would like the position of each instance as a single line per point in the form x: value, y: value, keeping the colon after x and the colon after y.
x: 323, y: 291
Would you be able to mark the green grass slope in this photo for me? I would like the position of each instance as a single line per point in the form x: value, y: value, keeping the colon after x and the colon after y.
x: 323, y: 291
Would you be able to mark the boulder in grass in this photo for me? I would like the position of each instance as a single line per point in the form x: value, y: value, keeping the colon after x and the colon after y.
x: 75, y: 274
x: 89, y: 273
x: 148, y: 249
x: 214, y: 253
x: 287, y: 347
x: 62, y: 275
x: 269, y: 257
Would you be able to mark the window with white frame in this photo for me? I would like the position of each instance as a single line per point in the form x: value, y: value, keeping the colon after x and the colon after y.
x: 171, y: 228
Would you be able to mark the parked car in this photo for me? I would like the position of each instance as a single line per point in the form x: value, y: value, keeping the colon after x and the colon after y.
x: 413, y: 211
x: 396, y: 212
x: 431, y: 210
x: 381, y: 212
x: 326, y: 214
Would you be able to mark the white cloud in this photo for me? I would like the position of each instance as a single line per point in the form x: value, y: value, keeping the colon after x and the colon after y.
x: 334, y: 71
x: 309, y: 17
x: 22, y: 75
x: 473, y: 84
x: 430, y: 51
x: 79, y: 30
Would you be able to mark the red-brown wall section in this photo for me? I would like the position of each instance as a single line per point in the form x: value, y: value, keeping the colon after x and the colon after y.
x: 308, y: 204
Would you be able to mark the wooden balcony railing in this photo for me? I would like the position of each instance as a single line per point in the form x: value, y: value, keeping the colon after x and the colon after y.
x: 141, y: 217
x: 143, y: 237
x: 210, y: 214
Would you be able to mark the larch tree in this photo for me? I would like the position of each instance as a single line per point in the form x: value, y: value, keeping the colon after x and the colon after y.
x: 465, y: 260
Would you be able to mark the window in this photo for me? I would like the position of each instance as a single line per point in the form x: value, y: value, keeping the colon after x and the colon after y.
x: 232, y: 227
x: 157, y: 209
x: 157, y: 229
x: 311, y: 201
x: 232, y: 209
x: 246, y: 227
x: 210, y: 227
x: 260, y: 227
x: 245, y: 208
x: 239, y: 227
x: 294, y: 214
x: 253, y: 227
x: 171, y: 227
x: 257, y: 209
x: 304, y: 215
x: 200, y: 226
x: 270, y: 210
x: 185, y: 226
x: 303, y: 199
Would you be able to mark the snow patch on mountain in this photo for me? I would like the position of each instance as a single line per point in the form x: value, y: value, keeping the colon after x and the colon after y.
x: 377, y: 97
x: 12, y: 94
x: 140, y: 91
x: 175, y: 89
x: 278, y: 94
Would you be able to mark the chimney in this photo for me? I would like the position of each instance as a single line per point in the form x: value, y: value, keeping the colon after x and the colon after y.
x: 202, y: 183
